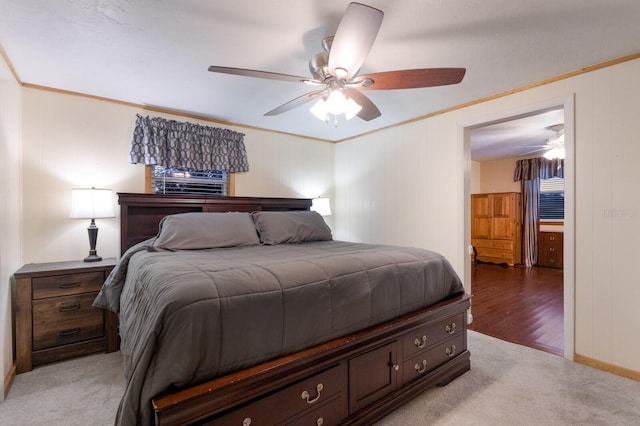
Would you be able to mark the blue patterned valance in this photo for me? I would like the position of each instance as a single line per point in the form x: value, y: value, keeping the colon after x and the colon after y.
x: 170, y: 143
x: 532, y: 168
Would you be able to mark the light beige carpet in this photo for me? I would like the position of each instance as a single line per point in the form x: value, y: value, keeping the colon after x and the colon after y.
x: 507, y: 385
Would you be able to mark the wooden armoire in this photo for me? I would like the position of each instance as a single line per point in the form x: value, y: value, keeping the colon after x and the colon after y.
x: 496, y: 227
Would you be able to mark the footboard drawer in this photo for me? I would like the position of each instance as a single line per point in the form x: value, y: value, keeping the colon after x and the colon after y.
x: 424, y: 338
x: 326, y: 415
x: 427, y: 361
x: 295, y: 401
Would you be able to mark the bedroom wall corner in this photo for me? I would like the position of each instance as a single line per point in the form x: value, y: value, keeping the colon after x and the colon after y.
x: 10, y: 211
x: 283, y: 165
x: 403, y: 186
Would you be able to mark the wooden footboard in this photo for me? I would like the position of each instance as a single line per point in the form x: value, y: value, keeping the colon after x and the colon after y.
x: 352, y: 380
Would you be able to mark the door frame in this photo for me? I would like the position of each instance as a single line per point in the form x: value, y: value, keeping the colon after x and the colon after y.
x: 464, y: 131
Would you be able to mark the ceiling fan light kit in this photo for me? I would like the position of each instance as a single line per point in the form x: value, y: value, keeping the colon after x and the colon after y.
x: 556, y: 146
x: 337, y: 70
x: 334, y: 105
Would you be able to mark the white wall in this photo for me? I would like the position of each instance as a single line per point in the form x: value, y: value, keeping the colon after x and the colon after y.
x: 403, y: 185
x: 406, y: 185
x: 72, y: 141
x: 10, y: 209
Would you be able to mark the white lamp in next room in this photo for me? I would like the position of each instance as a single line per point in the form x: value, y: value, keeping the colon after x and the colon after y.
x: 322, y: 206
x: 91, y: 203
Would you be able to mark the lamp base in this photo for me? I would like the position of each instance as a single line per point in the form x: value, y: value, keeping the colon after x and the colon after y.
x: 93, y: 238
x: 93, y: 258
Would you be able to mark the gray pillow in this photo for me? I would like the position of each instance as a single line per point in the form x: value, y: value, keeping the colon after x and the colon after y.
x: 291, y: 227
x: 191, y: 231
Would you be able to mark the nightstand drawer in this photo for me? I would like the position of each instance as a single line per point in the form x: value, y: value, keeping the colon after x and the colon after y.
x: 63, y: 320
x: 65, y: 285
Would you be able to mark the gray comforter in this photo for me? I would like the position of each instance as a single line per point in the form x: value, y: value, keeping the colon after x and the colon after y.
x: 189, y: 316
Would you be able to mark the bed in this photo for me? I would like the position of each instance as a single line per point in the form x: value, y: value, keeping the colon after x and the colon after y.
x: 255, y: 315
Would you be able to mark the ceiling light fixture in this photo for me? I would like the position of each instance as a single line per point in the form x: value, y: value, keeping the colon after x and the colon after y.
x: 334, y: 105
x: 557, y: 148
x: 554, y: 153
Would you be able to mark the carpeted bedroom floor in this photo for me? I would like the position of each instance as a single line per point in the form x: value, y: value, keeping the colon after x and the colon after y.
x: 507, y: 385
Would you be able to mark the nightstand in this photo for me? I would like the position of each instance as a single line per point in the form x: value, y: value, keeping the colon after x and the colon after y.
x: 54, y: 316
x: 550, y: 247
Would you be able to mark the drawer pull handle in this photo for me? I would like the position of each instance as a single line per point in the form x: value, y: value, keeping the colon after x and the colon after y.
x: 552, y: 238
x: 320, y: 421
x: 451, y: 351
x: 69, y: 285
x: 552, y: 249
x: 69, y: 332
x: 69, y: 308
x: 421, y: 343
x: 305, y: 394
x: 552, y: 260
x: 451, y: 328
x: 421, y: 368
x: 246, y: 422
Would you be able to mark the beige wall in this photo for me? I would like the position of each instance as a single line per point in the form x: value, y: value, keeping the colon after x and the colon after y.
x: 10, y: 188
x: 420, y: 197
x: 497, y: 176
x: 476, y: 177
x: 72, y: 141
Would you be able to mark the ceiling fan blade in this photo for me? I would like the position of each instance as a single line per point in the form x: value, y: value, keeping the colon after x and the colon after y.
x: 262, y: 74
x: 369, y: 110
x: 533, y: 151
x: 354, y: 37
x: 294, y: 103
x: 411, y: 79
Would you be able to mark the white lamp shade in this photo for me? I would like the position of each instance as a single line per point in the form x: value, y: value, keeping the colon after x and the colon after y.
x: 351, y: 108
x: 91, y: 203
x: 555, y: 153
x: 335, y: 104
x: 322, y: 206
x: 320, y: 109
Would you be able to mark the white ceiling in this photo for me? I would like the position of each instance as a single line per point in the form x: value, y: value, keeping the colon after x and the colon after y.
x: 517, y: 138
x: 156, y: 52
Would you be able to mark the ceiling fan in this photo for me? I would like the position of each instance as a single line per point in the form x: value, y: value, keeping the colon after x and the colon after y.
x: 335, y: 71
x: 554, y: 146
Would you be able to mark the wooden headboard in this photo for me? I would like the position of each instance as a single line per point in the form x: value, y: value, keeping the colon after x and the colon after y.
x: 140, y: 214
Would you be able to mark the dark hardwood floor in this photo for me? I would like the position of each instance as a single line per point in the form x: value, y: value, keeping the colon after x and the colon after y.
x: 520, y: 305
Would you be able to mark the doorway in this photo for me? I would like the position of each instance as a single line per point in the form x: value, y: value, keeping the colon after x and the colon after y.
x: 529, y: 286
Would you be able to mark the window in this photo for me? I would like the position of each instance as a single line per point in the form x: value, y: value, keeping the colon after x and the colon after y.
x: 552, y: 199
x: 182, y: 180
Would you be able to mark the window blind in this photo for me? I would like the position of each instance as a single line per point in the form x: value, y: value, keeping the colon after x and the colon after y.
x: 182, y: 180
x: 552, y: 199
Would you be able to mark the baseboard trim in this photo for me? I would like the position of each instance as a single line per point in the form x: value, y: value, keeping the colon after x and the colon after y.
x: 8, y: 380
x: 605, y: 366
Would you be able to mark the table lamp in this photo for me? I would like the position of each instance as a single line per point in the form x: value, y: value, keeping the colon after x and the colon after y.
x: 91, y: 203
x: 321, y: 205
